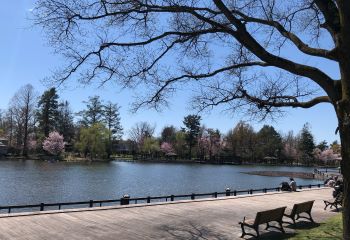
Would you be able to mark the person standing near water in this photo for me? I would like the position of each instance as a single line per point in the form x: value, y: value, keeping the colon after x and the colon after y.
x: 293, y: 185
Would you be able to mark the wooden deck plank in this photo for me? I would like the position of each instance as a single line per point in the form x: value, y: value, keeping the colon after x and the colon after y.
x: 214, y: 219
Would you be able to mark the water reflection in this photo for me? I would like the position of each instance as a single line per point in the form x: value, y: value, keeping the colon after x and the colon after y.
x: 31, y: 182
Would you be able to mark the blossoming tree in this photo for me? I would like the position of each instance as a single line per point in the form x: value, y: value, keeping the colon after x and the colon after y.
x: 167, y: 148
x: 54, y: 143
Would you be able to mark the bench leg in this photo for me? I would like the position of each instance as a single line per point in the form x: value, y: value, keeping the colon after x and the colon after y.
x: 250, y: 234
x: 281, y: 226
x: 267, y: 226
x: 308, y: 218
x: 326, y: 205
x: 257, y: 231
x: 243, y: 232
x: 311, y: 219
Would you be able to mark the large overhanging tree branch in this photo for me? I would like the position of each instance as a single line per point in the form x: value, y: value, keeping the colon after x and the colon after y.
x: 243, y: 36
x: 66, y: 19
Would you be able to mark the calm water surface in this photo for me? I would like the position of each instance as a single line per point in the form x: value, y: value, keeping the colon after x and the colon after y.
x: 32, y: 182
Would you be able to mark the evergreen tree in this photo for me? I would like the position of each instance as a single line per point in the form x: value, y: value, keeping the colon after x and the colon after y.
x: 192, y: 124
x: 94, y: 112
x: 65, y: 124
x: 111, y: 117
x: 322, y: 145
x: 306, y: 144
x: 168, y: 134
x: 241, y: 140
x: 269, y: 142
x: 48, y: 111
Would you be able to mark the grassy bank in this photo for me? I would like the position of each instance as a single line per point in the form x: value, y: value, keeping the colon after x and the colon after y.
x: 331, y: 229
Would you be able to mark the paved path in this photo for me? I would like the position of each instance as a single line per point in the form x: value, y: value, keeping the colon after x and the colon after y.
x: 202, y: 219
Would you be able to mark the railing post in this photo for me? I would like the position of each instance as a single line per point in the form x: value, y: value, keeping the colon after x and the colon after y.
x: 192, y: 196
x: 91, y: 203
x: 228, y: 192
x: 234, y: 193
x: 125, y: 200
x: 319, y: 185
x: 41, y: 206
x: 265, y: 190
x: 215, y: 194
x: 251, y: 191
x: 310, y: 186
x: 172, y: 198
x: 300, y: 187
x: 148, y: 199
x: 9, y: 211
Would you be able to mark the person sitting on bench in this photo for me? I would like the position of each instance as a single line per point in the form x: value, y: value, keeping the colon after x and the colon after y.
x: 293, y: 185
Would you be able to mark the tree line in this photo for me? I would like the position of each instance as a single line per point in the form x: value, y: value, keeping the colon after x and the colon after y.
x: 45, y: 124
x: 242, y: 144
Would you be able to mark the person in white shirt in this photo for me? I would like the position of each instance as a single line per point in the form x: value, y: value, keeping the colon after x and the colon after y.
x: 293, y: 185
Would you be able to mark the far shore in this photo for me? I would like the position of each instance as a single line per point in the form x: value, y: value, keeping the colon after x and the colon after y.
x: 183, y: 161
x: 305, y: 175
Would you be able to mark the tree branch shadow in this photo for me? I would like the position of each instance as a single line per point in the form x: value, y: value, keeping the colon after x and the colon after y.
x: 192, y: 231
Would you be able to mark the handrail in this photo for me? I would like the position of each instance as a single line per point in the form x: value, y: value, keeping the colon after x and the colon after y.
x: 125, y: 200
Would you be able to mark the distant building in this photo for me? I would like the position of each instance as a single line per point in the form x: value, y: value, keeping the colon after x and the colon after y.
x: 3, y: 146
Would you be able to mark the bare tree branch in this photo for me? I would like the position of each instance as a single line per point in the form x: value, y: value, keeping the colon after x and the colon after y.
x: 329, y: 54
x: 242, y: 35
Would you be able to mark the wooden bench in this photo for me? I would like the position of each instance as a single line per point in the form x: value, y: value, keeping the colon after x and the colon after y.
x: 298, y: 208
x: 262, y: 218
x: 338, y: 200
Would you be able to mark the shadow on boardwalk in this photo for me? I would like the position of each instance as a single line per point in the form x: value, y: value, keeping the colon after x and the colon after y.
x: 191, y: 231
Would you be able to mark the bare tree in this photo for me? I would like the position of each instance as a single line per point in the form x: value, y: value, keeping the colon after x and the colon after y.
x: 140, y: 132
x: 165, y: 45
x: 23, y: 106
x: 10, y: 126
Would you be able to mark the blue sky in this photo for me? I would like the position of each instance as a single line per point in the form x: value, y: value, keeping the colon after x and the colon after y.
x: 26, y: 58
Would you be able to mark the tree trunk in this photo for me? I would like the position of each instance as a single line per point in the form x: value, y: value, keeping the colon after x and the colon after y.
x: 25, y: 138
x: 343, y: 108
x: 345, y: 170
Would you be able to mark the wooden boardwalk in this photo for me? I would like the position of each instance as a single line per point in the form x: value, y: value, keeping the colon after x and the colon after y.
x: 200, y: 219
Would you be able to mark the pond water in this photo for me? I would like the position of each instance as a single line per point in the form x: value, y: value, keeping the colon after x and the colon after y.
x: 32, y: 182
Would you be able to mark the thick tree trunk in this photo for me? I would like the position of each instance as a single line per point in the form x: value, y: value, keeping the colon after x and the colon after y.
x: 343, y: 107
x: 345, y: 169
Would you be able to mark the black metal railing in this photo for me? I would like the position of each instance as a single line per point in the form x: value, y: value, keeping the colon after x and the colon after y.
x: 126, y: 200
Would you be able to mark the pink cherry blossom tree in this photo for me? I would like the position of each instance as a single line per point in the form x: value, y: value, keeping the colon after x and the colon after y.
x: 328, y: 155
x: 32, y: 144
x: 54, y: 143
x: 166, y: 148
